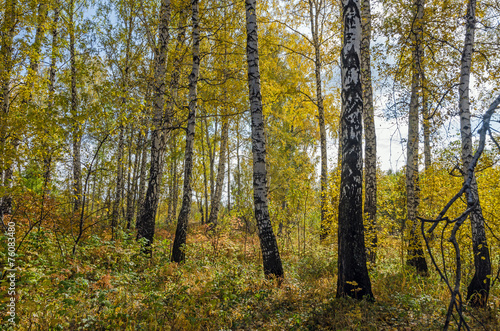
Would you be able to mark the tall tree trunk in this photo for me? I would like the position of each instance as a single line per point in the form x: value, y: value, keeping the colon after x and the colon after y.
x: 146, y: 222
x: 268, y: 244
x: 314, y: 12
x: 416, y: 256
x: 120, y: 182
x: 353, y: 279
x: 76, y: 130
x: 174, y: 88
x: 479, y: 287
x: 6, y: 66
x: 47, y: 152
x: 178, y: 254
x: 214, y: 210
x: 370, y: 207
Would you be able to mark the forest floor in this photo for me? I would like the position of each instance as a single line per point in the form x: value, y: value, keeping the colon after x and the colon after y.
x: 109, y: 285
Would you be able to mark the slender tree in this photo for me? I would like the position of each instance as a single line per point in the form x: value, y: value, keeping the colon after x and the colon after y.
x: 270, y: 254
x: 6, y: 57
x: 178, y: 254
x: 315, y: 8
x: 146, y: 222
x: 479, y: 287
x: 416, y: 256
x: 214, y: 206
x: 353, y: 279
x: 370, y: 207
x: 76, y: 129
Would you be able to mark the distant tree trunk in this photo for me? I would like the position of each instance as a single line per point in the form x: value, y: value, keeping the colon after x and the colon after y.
x: 146, y: 222
x: 268, y: 244
x: 132, y: 178
x: 370, y: 208
x: 479, y: 287
x: 39, y: 35
x: 353, y: 279
x: 214, y: 210
x: 115, y: 215
x: 314, y: 11
x: 142, y: 176
x: 178, y: 254
x: 174, y: 88
x: 205, y: 179
x: 211, y: 157
x: 6, y: 54
x: 228, y: 178
x: 76, y: 130
x: 173, y: 170
x: 427, y: 129
x: 47, y: 153
x: 416, y: 256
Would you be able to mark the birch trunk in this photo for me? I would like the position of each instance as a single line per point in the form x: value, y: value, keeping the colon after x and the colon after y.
x: 353, y: 279
x: 174, y: 88
x: 178, y: 254
x: 479, y: 287
x: 146, y: 221
x: 115, y: 215
x: 270, y: 253
x: 314, y: 10
x: 76, y: 130
x: 416, y: 256
x: 370, y: 207
x: 6, y: 54
x: 142, y: 176
x: 214, y: 210
x: 132, y: 178
x: 427, y: 129
x: 47, y: 153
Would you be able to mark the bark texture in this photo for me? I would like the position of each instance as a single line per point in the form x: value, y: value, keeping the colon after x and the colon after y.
x: 370, y: 207
x: 416, y: 256
x: 270, y: 254
x: 353, y: 279
x: 479, y: 287
x: 178, y: 253
x: 146, y: 222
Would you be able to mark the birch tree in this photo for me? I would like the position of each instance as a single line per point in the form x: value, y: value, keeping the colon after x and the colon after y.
x: 178, y: 254
x: 146, y: 222
x: 479, y: 287
x: 370, y: 207
x: 270, y: 254
x: 415, y: 252
x: 353, y: 279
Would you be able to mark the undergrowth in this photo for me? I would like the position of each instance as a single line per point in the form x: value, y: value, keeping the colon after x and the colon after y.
x: 109, y: 285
